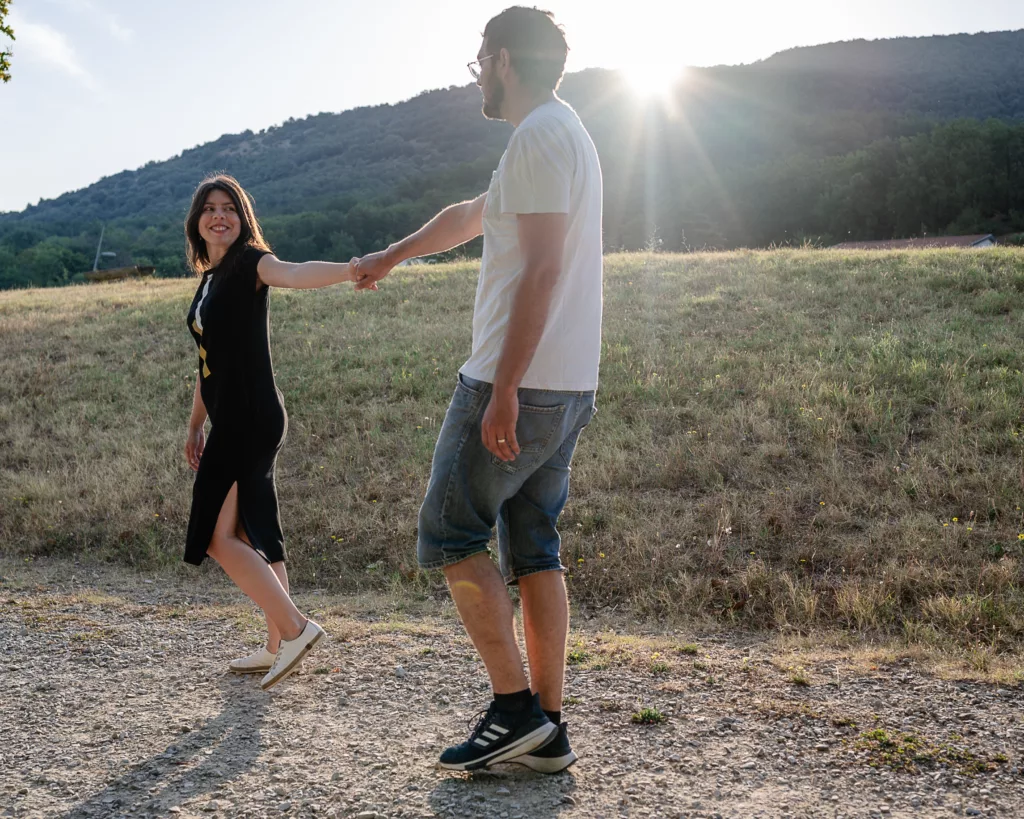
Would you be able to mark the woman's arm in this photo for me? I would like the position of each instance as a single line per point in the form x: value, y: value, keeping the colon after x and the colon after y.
x: 302, y: 276
x: 195, y: 441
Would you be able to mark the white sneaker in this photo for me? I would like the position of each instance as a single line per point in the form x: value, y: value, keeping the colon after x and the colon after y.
x: 256, y: 663
x: 290, y: 654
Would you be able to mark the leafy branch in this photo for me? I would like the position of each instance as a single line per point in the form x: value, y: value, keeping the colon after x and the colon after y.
x: 5, y: 28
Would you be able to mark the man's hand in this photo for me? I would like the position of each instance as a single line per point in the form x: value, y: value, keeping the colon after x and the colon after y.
x: 371, y: 268
x: 498, y: 428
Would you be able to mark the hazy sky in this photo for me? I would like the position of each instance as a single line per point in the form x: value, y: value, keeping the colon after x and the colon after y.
x: 103, y: 85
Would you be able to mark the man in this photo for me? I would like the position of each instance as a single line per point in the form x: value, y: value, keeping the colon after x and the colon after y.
x: 524, y: 395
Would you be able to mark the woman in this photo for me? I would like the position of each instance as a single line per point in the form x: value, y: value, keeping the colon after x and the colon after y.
x: 235, y: 517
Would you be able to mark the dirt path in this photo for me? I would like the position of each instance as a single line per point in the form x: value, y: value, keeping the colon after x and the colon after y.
x: 116, y: 703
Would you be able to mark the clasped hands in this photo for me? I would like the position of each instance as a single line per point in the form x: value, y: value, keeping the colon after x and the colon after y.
x: 370, y: 269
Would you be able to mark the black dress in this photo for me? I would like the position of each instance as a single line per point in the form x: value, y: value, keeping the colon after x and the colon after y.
x: 231, y: 326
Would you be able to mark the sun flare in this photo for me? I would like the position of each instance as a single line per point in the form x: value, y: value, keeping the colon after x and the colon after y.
x: 653, y: 79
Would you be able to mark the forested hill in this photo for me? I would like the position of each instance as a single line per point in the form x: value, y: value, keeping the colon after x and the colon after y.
x: 966, y: 75
x: 824, y: 142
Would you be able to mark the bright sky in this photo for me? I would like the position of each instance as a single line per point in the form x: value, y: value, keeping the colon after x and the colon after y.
x: 103, y: 85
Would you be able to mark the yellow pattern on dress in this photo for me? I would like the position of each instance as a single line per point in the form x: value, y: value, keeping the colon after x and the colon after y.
x: 202, y: 350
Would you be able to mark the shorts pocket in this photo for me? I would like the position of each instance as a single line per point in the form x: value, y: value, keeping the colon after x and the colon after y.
x: 535, y: 430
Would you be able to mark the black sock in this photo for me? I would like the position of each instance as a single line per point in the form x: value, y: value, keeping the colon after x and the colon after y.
x: 519, y: 701
x: 554, y: 716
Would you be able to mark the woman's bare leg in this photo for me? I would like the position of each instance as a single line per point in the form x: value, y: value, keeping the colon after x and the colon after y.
x: 251, y: 573
x: 273, y: 635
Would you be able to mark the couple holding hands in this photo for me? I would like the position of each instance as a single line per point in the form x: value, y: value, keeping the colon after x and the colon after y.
x: 520, y: 402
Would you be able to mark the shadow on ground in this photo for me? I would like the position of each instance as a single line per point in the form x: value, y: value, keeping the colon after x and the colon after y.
x: 200, y: 763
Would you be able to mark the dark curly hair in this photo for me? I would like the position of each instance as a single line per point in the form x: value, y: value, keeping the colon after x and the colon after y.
x: 535, y: 43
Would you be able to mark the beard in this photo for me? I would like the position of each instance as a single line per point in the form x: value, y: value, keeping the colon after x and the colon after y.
x: 492, y: 104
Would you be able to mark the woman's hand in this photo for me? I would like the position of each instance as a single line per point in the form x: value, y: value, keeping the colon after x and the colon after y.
x: 195, y: 443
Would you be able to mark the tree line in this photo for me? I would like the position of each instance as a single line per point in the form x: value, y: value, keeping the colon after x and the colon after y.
x: 857, y: 140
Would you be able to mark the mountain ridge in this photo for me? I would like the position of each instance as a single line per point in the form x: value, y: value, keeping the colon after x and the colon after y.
x: 672, y: 172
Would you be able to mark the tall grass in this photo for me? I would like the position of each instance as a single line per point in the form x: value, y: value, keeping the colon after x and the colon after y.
x: 785, y: 439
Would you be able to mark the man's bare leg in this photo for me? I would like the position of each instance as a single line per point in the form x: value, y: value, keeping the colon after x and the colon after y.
x: 546, y: 628
x: 486, y: 611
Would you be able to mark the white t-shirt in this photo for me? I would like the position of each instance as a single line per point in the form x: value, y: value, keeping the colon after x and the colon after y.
x: 550, y: 166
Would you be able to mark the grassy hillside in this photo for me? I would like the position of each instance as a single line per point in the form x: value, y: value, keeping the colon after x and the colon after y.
x: 785, y: 439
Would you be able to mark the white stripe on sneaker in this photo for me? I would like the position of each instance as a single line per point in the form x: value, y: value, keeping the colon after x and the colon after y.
x: 490, y: 736
x: 480, y: 742
x: 498, y: 728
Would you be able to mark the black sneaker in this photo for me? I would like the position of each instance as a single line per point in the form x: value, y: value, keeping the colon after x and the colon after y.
x: 552, y: 758
x: 499, y: 737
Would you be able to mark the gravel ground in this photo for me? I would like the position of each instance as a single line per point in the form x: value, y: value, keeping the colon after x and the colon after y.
x: 117, y: 703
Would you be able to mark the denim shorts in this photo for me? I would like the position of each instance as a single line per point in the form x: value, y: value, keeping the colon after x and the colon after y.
x: 471, y: 490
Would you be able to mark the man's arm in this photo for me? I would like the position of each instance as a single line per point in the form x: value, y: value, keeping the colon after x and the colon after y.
x: 453, y: 226
x: 542, y: 244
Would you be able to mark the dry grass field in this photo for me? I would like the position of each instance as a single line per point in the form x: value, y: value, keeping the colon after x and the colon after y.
x: 787, y: 439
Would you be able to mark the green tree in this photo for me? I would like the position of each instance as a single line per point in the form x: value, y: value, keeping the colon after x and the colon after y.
x: 10, y: 274
x: 5, y: 29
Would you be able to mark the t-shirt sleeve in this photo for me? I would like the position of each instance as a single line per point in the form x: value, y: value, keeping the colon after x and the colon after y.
x: 537, y: 173
x: 249, y: 260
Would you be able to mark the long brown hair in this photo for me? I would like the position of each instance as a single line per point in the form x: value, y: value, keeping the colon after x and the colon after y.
x: 250, y: 234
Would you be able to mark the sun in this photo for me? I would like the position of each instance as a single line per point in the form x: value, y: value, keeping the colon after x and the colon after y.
x: 653, y: 80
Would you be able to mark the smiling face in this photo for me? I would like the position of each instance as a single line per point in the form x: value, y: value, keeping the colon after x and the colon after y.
x: 219, y: 223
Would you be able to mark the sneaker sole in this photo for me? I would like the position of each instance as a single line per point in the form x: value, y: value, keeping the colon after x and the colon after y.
x: 287, y: 672
x: 547, y: 764
x: 262, y: 670
x: 531, y: 742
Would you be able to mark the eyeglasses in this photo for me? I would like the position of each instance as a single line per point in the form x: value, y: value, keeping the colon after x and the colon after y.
x: 476, y: 67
